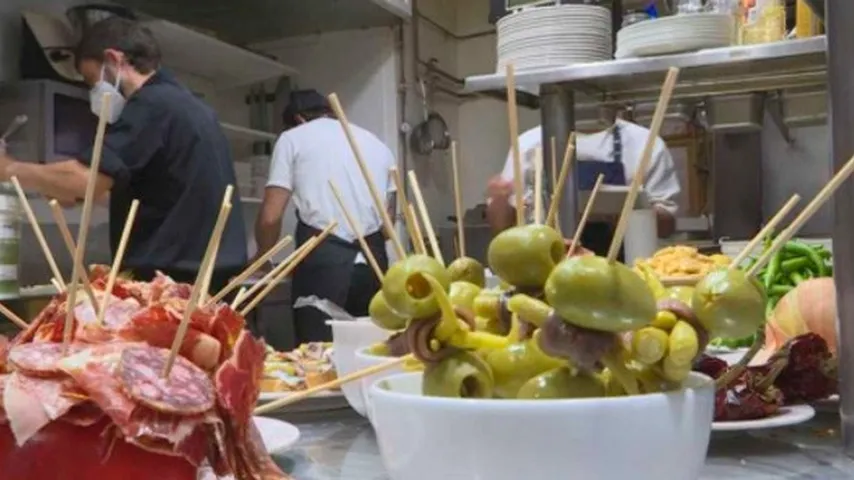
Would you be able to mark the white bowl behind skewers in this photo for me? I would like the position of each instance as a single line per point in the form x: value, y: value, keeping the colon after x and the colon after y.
x: 347, y: 337
x: 645, y: 437
x: 364, y: 359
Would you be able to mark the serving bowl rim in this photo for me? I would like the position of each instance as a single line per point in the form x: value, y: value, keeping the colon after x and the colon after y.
x: 703, y: 383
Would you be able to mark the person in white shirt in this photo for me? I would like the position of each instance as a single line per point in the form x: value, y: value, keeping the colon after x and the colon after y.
x: 311, y: 152
x: 614, y: 152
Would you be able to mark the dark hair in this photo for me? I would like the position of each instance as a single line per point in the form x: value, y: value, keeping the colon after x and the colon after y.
x: 127, y: 36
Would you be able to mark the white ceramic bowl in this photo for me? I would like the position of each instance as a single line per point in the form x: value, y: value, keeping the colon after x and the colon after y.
x: 646, y: 437
x: 366, y: 360
x: 347, y: 337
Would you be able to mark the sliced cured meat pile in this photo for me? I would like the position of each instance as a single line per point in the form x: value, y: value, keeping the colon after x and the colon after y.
x: 106, y: 394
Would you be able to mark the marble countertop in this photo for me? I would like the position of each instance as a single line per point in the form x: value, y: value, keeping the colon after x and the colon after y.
x: 340, y: 445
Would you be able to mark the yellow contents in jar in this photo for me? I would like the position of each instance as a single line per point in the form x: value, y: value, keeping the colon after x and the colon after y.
x: 683, y: 261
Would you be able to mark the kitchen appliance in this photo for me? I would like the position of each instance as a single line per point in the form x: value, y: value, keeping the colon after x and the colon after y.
x: 82, y: 17
x: 61, y: 124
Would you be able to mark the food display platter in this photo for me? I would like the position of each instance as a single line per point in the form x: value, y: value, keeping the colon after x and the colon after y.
x: 788, y: 416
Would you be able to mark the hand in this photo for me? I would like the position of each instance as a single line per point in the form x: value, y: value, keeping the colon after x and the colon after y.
x: 575, y: 251
x: 499, y: 188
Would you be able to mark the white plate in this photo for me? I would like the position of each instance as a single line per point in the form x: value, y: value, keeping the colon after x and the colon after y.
x: 277, y: 435
x: 787, y: 416
x: 270, y: 396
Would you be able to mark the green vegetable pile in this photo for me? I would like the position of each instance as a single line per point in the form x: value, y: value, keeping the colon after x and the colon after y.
x: 795, y: 262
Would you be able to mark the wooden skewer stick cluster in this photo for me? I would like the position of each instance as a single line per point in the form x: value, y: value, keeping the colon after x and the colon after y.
x: 768, y: 229
x: 117, y: 260
x: 82, y: 234
x: 425, y: 217
x: 357, y: 231
x: 409, y: 217
x: 458, y: 201
x: 646, y: 156
x: 207, y: 264
x: 56, y: 209
x: 250, y: 270
x: 271, y: 275
x: 560, y: 183
x: 513, y: 119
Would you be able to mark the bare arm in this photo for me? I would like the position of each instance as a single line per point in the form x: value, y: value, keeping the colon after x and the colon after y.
x: 268, y: 225
x: 65, y: 181
x: 499, y: 213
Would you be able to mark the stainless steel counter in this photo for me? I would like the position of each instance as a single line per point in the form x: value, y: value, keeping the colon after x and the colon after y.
x: 750, y: 68
x: 341, y: 446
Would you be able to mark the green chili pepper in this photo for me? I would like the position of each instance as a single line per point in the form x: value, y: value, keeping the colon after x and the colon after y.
x: 779, y: 290
x: 795, y: 264
x: 809, y: 252
x: 773, y: 270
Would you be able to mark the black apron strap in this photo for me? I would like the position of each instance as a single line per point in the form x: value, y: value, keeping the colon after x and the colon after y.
x: 597, y: 236
x: 326, y: 273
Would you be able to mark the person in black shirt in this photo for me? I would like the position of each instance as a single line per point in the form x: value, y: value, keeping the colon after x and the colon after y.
x: 163, y: 146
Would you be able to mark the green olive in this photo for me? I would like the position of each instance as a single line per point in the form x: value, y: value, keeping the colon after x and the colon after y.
x: 463, y: 294
x: 524, y: 256
x: 592, y: 293
x: 562, y: 382
x: 515, y: 364
x: 466, y: 269
x: 462, y: 375
x: 681, y: 293
x: 729, y: 303
x: 407, y: 291
x: 487, y: 304
x: 383, y: 316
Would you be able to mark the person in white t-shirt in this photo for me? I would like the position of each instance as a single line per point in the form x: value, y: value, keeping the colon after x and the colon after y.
x: 311, y: 152
x: 614, y: 152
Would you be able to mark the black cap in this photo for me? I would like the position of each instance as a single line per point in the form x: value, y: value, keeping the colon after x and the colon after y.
x: 301, y: 101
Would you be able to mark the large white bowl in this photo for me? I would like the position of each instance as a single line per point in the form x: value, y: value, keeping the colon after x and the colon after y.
x: 366, y: 360
x: 347, y: 337
x: 645, y: 437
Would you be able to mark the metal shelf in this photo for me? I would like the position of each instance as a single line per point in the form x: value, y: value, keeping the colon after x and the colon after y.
x: 751, y: 68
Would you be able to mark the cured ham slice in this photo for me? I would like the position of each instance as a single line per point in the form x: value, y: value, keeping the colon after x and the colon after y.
x: 157, y: 326
x: 185, y: 391
x: 238, y: 380
x: 97, y: 372
x: 31, y: 403
x: 3, y: 379
x: 5, y: 346
x: 83, y: 415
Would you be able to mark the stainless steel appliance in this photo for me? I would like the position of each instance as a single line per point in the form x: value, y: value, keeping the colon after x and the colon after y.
x: 61, y: 124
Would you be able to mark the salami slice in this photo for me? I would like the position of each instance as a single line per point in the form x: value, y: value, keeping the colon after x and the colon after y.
x: 186, y: 391
x: 40, y: 359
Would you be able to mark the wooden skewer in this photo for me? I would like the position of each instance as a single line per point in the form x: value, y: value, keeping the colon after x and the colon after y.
x: 272, y: 274
x: 538, y: 185
x: 14, y: 318
x: 554, y: 201
x: 85, y: 218
x: 568, y: 153
x: 251, y: 269
x: 513, y: 120
x: 646, y: 156
x: 290, y: 268
x: 56, y: 285
x: 117, y: 261
x: 425, y: 217
x: 576, y: 239
x: 767, y: 230
x: 408, y: 219
x: 337, y: 383
x: 34, y: 223
x: 420, y: 246
x: 62, y: 225
x: 388, y: 225
x: 198, y: 285
x: 458, y: 202
x: 799, y: 221
x: 238, y: 298
x: 357, y: 231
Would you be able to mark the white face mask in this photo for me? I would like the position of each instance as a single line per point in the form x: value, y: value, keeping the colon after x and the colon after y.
x: 117, y: 101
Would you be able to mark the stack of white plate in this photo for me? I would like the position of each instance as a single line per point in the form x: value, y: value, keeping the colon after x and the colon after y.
x: 554, y: 36
x: 675, y: 34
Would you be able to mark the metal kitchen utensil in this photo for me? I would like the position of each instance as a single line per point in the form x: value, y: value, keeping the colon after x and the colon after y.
x: 431, y: 134
x: 13, y: 127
